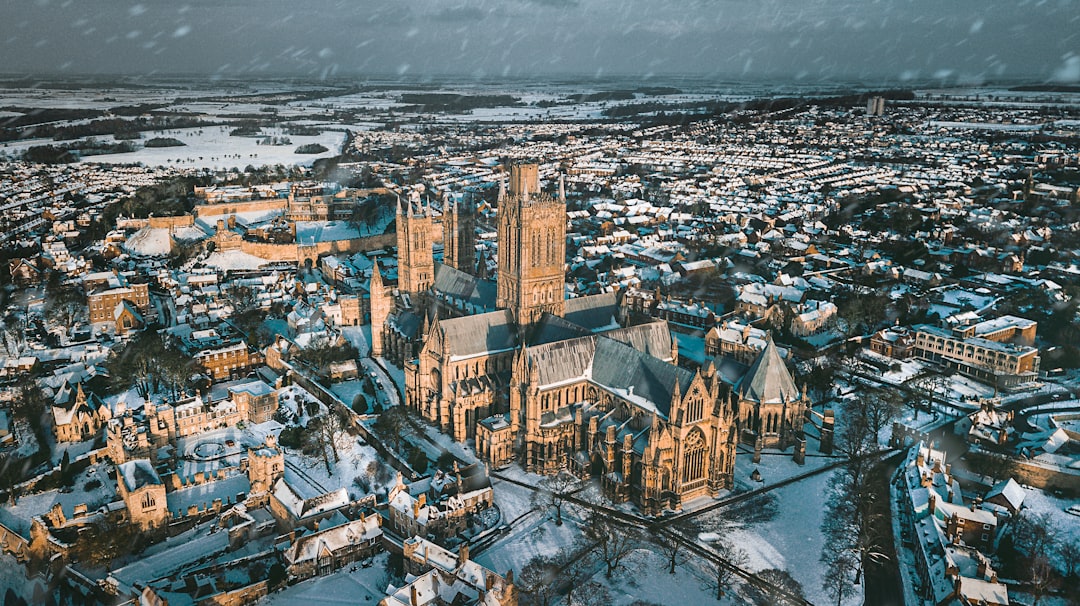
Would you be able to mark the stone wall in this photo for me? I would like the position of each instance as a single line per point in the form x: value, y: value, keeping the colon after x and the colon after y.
x: 297, y: 253
x: 13, y: 543
x: 230, y: 208
x: 270, y: 251
x: 167, y: 222
x: 1034, y: 473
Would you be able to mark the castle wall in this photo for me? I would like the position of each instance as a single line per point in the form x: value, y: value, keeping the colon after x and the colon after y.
x: 230, y: 208
x: 167, y: 222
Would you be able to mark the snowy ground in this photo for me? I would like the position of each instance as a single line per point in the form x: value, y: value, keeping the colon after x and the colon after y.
x: 356, y: 459
x: 149, y: 242
x: 1066, y: 525
x: 535, y: 535
x: 310, y: 232
x: 691, y: 346
x: 781, y: 529
x: 208, y: 222
x: 18, y: 517
x: 514, y: 501
x: 645, y: 576
x: 907, y: 368
x: 346, y: 587
x: 212, y: 450
x: 349, y: 391
x: 234, y: 259
x: 213, y: 147
x: 169, y: 556
x: 358, y: 337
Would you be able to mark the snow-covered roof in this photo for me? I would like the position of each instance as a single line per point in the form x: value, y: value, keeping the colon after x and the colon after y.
x: 309, y: 547
x: 1010, y: 491
x: 138, y: 473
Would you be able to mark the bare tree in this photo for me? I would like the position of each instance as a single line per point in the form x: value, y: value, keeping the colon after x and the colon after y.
x: 14, y: 333
x: 590, y: 594
x: 1041, y: 578
x: 880, y: 406
x: 1069, y: 556
x: 537, y: 581
x: 551, y: 492
x: 734, y: 557
x: 672, y: 539
x: 775, y: 579
x: 29, y: 403
x: 65, y: 307
x: 839, y: 581
x: 613, y: 542
x: 1035, y: 534
x: 576, y: 565
x: 328, y: 430
x: 143, y: 373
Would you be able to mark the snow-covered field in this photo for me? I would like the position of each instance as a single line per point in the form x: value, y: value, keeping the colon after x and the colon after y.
x: 234, y: 259
x: 310, y: 232
x: 213, y: 147
x: 356, y: 459
x: 645, y: 576
x: 536, y: 535
x: 149, y: 242
x: 781, y: 529
x: 348, y: 391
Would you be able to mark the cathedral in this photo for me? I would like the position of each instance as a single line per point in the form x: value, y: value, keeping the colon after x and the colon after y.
x: 563, y: 384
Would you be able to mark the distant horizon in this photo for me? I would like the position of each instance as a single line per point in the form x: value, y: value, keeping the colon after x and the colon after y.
x: 386, y: 78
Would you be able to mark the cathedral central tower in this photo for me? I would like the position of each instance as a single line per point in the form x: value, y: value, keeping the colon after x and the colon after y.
x: 532, y: 247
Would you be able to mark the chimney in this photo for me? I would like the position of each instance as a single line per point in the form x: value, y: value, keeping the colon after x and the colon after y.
x: 463, y: 554
x: 948, y: 469
x: 490, y: 581
x: 920, y: 460
x: 933, y: 503
x: 972, y: 505
x: 981, y: 570
x: 414, y: 600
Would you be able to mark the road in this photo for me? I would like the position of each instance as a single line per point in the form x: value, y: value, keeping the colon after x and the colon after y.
x: 391, y: 391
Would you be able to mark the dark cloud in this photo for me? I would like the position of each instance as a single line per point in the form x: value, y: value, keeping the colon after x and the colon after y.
x: 809, y: 39
x: 554, y: 3
x: 460, y: 14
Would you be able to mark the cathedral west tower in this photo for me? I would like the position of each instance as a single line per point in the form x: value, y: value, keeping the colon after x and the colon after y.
x: 416, y: 267
x: 459, y: 234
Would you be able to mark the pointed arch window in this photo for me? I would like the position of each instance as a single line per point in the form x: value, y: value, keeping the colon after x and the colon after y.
x: 695, y: 455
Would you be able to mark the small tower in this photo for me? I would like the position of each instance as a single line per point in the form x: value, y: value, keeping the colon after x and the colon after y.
x: 381, y: 304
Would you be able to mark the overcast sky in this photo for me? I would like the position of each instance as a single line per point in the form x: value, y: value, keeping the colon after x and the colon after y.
x: 807, y: 39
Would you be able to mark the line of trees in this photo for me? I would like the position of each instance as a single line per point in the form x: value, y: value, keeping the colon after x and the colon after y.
x: 856, y: 522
